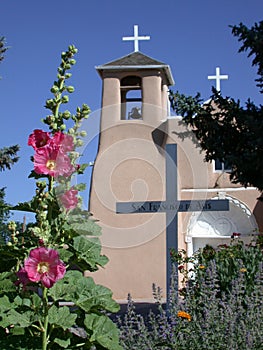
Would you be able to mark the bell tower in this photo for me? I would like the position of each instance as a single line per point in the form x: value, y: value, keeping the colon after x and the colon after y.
x: 130, y: 166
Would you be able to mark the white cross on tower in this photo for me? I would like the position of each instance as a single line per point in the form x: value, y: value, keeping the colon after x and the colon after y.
x: 135, y: 38
x: 217, y: 78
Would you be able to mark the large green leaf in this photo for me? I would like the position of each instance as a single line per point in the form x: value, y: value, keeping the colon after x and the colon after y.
x: 6, y: 285
x: 5, y: 304
x: 88, y: 228
x: 83, y: 292
x: 103, y: 331
x: 20, y: 319
x: 61, y: 317
x: 96, y: 297
x: 89, y: 250
x: 30, y: 206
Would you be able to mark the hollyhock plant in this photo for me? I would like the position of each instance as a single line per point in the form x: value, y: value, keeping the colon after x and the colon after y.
x: 49, y: 160
x: 69, y: 199
x: 38, y: 138
x: 43, y: 265
x: 35, y: 286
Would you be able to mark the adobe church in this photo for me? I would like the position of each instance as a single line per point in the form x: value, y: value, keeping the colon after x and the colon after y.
x: 133, y: 166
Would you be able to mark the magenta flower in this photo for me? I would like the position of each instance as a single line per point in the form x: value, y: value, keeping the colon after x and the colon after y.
x: 49, y: 160
x: 64, y: 141
x: 69, y: 199
x: 43, y: 265
x: 38, y: 139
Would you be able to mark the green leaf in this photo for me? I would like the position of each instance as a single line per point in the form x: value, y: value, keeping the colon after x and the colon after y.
x: 83, y: 292
x: 89, y: 250
x: 103, y: 331
x: 36, y: 301
x: 25, y: 206
x: 80, y: 187
x: 64, y: 254
x: 34, y: 175
x: 6, y: 285
x: 61, y: 317
x: 63, y: 343
x: 96, y: 297
x: 87, y: 228
x: 17, y: 330
x: 20, y: 319
x: 5, y: 304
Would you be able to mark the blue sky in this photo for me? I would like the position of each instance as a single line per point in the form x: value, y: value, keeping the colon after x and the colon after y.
x: 192, y: 36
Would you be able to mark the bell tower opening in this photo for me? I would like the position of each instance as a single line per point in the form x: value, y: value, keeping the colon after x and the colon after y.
x: 131, y: 98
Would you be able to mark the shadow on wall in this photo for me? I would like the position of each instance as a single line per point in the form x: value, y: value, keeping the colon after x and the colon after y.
x: 258, y: 213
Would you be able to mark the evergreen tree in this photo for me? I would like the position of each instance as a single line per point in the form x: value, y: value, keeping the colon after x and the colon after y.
x: 226, y: 130
x: 8, y: 156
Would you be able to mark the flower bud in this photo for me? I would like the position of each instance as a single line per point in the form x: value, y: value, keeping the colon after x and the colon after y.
x: 65, y: 99
x: 72, y: 62
x: 70, y: 89
x: 71, y: 131
x: 54, y: 89
x: 79, y: 143
x: 63, y: 127
x: 66, y: 115
x: 83, y: 133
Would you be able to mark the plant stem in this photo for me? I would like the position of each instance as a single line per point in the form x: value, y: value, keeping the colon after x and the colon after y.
x: 50, y: 188
x: 44, y: 334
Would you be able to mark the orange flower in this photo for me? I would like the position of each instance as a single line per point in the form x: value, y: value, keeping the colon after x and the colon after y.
x: 201, y: 266
x: 184, y: 314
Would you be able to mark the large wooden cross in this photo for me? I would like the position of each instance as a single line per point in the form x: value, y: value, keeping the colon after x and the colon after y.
x: 171, y: 206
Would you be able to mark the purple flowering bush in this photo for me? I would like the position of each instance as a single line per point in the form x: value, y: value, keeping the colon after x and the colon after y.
x: 203, y: 315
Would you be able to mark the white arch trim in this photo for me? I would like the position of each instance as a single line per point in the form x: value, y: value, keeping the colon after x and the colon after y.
x: 221, y: 225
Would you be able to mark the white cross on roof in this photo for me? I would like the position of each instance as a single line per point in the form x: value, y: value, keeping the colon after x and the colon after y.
x: 217, y: 78
x: 135, y: 38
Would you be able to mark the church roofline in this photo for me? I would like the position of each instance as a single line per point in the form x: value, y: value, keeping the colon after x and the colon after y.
x: 135, y: 61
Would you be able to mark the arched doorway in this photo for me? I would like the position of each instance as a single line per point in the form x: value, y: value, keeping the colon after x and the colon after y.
x: 216, y: 228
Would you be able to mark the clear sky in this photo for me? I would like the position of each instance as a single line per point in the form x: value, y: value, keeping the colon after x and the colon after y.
x: 192, y: 36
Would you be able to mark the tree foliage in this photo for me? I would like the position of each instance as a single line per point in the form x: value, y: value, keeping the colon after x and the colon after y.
x: 8, y: 156
x: 226, y: 130
x: 3, y: 48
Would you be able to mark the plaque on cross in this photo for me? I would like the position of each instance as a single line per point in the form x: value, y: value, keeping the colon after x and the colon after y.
x: 171, y: 206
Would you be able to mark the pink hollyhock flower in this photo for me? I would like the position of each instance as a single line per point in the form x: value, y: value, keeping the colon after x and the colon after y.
x: 22, y: 277
x: 43, y: 265
x: 64, y: 141
x: 38, y: 139
x: 69, y: 199
x: 49, y: 160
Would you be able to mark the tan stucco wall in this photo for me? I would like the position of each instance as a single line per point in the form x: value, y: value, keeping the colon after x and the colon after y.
x: 130, y: 166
